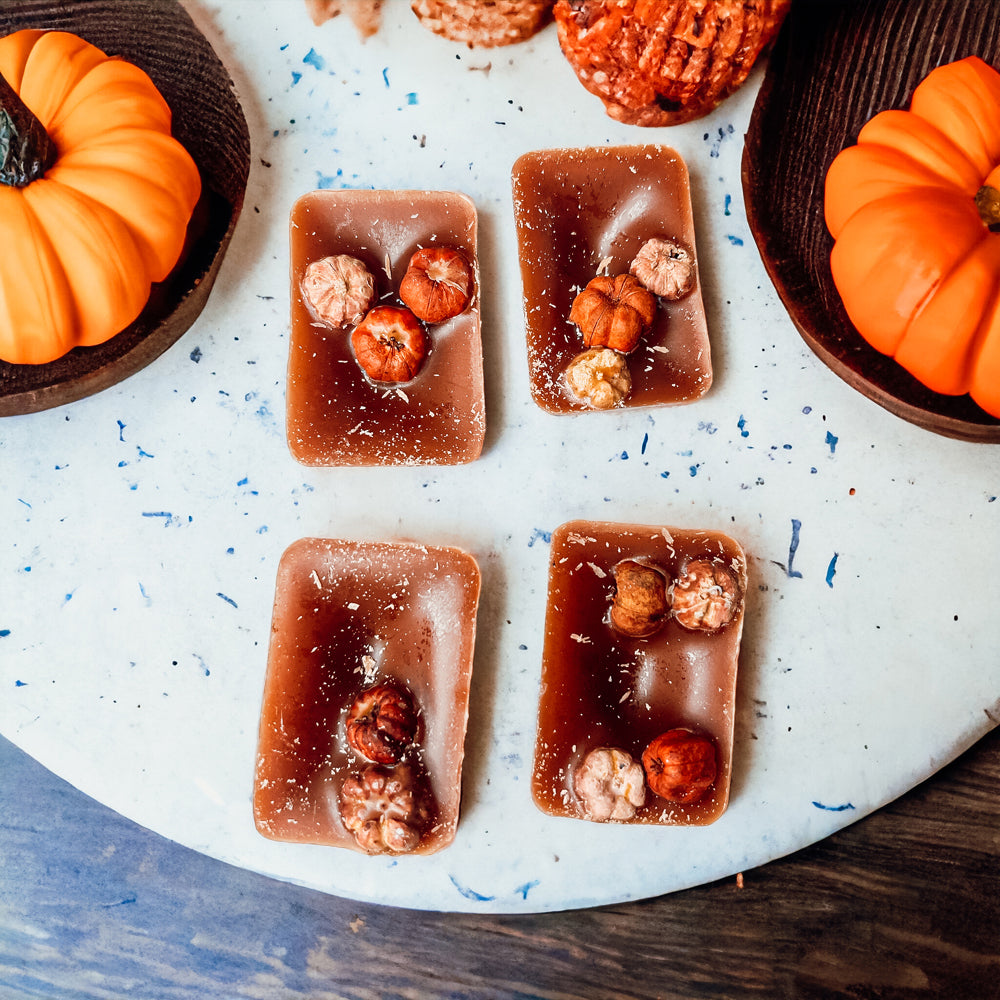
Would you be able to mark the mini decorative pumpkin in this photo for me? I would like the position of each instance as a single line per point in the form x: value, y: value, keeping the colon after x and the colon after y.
x: 390, y: 344
x: 613, y: 312
x: 914, y: 209
x: 95, y: 194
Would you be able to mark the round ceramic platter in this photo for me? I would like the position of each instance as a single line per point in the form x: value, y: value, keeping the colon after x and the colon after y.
x: 143, y: 525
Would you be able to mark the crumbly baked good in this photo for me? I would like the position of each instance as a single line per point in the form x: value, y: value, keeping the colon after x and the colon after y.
x: 484, y: 23
x: 366, y: 14
x: 663, y: 62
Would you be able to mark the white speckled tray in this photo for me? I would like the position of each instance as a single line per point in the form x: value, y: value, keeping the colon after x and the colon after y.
x: 142, y: 527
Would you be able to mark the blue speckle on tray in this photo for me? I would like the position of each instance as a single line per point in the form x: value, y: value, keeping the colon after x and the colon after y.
x: 296, y: 76
x: 831, y: 570
x: 841, y: 808
x: 539, y: 535
x: 4, y: 632
x: 470, y: 893
x: 523, y: 890
x: 314, y: 59
x: 727, y: 205
x: 793, y: 547
x: 326, y: 181
x: 736, y: 241
x: 228, y: 600
x: 721, y: 135
x: 120, y: 902
x: 742, y: 425
x: 169, y: 519
x: 831, y: 440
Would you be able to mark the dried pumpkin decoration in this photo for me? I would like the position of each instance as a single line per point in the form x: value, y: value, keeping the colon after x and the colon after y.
x: 613, y: 312
x: 95, y: 194
x: 914, y: 208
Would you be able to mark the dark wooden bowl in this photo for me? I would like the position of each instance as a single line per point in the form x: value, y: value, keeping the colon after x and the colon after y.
x: 836, y: 64
x: 159, y: 37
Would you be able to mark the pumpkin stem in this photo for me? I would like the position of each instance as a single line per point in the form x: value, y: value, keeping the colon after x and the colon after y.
x: 26, y: 151
x: 988, y: 203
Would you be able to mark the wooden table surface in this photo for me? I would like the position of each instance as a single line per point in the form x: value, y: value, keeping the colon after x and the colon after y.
x: 904, y: 904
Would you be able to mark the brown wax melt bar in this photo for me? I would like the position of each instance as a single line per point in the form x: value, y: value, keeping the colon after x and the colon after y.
x: 605, y: 689
x: 336, y: 415
x: 581, y: 211
x: 350, y: 616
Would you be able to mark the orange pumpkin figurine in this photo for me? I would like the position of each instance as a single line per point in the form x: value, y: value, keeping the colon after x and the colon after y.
x: 914, y: 209
x: 95, y: 194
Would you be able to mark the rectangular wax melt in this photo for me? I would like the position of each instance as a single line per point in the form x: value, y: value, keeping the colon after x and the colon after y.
x: 603, y: 689
x: 578, y: 211
x: 334, y: 414
x: 350, y: 616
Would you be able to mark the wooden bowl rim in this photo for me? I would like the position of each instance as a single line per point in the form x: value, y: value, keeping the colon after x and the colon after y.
x: 161, y: 38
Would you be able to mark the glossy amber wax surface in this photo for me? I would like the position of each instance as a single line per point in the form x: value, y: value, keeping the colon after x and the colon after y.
x: 334, y: 414
x: 604, y: 689
x: 348, y: 615
x: 578, y: 210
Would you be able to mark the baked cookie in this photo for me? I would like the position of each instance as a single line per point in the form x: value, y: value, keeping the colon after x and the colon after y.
x: 484, y: 24
x: 663, y: 62
x: 366, y: 14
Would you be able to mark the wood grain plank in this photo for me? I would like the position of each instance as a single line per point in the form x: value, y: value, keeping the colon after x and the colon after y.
x: 901, y: 905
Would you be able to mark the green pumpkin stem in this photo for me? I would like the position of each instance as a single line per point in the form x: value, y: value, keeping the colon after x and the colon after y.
x: 988, y: 203
x: 26, y: 151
